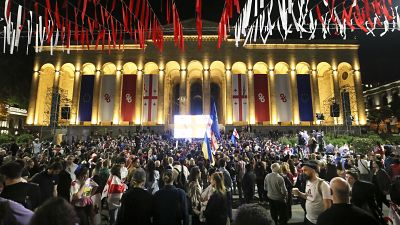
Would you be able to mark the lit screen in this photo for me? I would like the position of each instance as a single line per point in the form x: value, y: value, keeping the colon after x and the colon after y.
x: 189, y: 126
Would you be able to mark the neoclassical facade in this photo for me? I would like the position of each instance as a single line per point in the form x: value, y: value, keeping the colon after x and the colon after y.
x: 147, y: 87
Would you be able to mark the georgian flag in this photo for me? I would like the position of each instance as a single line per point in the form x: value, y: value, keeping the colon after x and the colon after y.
x: 235, y: 133
x: 150, y: 98
x: 239, y: 97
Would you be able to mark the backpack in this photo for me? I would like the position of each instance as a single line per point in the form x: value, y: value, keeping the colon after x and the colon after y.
x: 181, y: 181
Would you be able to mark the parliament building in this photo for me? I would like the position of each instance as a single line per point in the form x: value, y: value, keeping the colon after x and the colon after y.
x: 278, y: 83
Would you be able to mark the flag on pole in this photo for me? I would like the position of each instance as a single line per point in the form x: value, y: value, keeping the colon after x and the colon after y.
x: 235, y: 133
x: 206, y: 149
x: 214, y: 118
x: 214, y: 143
x: 233, y: 139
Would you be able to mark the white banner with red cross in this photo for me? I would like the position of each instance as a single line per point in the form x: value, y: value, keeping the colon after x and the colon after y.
x: 150, y: 98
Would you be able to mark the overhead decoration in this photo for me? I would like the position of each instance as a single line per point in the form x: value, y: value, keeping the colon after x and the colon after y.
x: 331, y: 18
x: 60, y: 25
x: 107, y: 26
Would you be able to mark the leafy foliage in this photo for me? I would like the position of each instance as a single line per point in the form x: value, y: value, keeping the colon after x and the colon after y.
x: 24, y: 139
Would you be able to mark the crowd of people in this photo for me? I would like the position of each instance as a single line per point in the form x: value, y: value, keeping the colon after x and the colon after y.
x: 147, y: 178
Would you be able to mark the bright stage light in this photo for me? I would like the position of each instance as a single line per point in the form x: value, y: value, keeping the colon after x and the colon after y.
x: 190, y: 126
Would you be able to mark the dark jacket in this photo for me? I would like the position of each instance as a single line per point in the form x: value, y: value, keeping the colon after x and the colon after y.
x: 171, y: 206
x: 345, y: 214
x: 136, y: 208
x: 363, y: 195
x: 27, y: 194
x: 216, y: 210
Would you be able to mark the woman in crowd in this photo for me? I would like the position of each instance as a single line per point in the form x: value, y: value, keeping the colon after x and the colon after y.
x: 152, y: 177
x: 216, y: 210
x: 194, y: 193
x: 170, y: 203
x: 81, y: 190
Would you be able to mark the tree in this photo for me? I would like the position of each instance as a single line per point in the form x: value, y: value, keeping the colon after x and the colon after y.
x: 395, y: 105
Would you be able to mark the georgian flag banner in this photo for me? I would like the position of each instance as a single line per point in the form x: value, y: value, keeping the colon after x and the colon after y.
x: 107, y: 98
x: 239, y: 97
x: 261, y: 97
x: 150, y: 98
x: 283, y: 98
x: 128, y: 97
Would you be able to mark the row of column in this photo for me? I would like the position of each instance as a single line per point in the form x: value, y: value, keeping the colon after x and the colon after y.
x: 184, y: 91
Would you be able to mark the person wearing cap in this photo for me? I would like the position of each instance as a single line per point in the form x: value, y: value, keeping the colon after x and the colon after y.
x: 317, y: 193
x: 137, y: 203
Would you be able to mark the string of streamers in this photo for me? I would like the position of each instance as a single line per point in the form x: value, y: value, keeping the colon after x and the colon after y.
x: 54, y: 27
x: 338, y: 18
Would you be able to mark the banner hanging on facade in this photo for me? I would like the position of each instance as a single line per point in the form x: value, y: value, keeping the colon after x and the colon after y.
x: 107, y: 98
x: 261, y: 97
x: 283, y: 98
x: 86, y: 98
x: 128, y: 98
x: 304, y: 97
x: 150, y: 98
x: 239, y: 97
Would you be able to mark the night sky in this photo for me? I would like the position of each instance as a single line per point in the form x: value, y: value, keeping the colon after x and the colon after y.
x: 379, y: 56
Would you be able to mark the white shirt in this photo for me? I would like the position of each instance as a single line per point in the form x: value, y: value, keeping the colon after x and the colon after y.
x: 363, y: 166
x: 314, y: 201
x: 36, y: 147
x: 71, y: 170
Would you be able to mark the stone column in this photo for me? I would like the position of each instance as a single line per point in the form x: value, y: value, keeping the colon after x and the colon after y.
x: 295, y: 98
x: 32, y: 99
x: 160, y: 104
x: 183, y: 101
x: 96, y: 93
x: 315, y: 94
x: 251, y: 105
x: 271, y: 81
x: 206, y: 92
x: 139, y: 97
x: 117, y: 94
x: 75, y: 98
x: 229, y: 108
x: 362, y: 120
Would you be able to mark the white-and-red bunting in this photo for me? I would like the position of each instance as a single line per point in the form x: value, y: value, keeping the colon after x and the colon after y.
x: 239, y: 97
x: 150, y: 98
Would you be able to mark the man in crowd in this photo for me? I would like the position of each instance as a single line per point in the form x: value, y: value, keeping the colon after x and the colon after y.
x: 48, y: 181
x: 17, y: 189
x: 342, y: 212
x: 227, y: 183
x: 277, y: 195
x: 317, y: 195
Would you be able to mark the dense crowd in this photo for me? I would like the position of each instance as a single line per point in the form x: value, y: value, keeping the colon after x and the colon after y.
x: 147, y: 178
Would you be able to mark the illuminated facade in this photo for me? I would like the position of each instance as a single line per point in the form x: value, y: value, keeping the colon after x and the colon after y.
x: 191, y: 77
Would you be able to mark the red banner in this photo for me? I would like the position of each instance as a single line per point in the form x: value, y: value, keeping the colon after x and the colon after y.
x: 261, y: 97
x: 128, y: 98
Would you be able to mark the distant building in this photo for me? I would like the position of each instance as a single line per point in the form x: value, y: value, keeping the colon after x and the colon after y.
x: 377, y: 97
x: 12, y: 119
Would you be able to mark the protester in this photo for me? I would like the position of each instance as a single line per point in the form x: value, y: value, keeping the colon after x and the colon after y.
x: 216, y: 210
x: 277, y: 195
x: 317, y: 195
x: 136, y: 203
x: 55, y: 211
x: 17, y: 189
x: 253, y: 214
x: 13, y: 213
x: 170, y: 203
x: 48, y: 181
x: 342, y: 212
x: 248, y: 184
